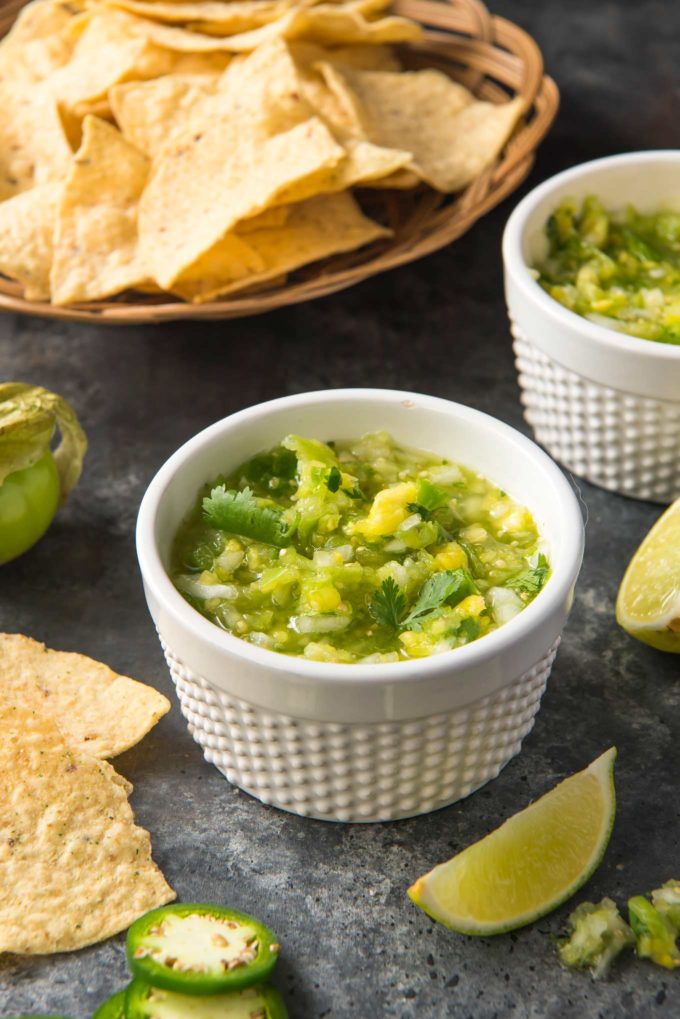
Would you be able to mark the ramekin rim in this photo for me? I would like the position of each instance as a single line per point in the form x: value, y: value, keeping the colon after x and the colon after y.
x: 515, y: 264
x: 555, y: 593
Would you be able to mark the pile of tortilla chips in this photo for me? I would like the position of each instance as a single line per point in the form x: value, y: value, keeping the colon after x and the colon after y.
x: 74, y: 867
x: 204, y: 147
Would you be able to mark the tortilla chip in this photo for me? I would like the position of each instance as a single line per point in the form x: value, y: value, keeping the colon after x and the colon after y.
x: 99, y: 712
x: 74, y: 867
x: 329, y: 23
x: 95, y: 243
x: 149, y: 113
x: 33, y: 146
x: 402, y: 180
x: 106, y: 53
x: 231, y: 17
x: 42, y: 18
x: 26, y: 227
x: 271, y: 84
x: 452, y: 135
x: 41, y: 40
x: 365, y: 56
x: 226, y: 173
x: 322, y: 226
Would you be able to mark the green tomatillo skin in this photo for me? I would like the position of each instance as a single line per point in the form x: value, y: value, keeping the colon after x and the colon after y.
x: 28, y: 501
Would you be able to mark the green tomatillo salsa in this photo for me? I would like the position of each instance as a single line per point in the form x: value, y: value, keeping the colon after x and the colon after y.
x: 617, y: 269
x: 357, y: 551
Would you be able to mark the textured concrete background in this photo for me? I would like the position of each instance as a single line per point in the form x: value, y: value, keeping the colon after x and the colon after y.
x: 354, y: 946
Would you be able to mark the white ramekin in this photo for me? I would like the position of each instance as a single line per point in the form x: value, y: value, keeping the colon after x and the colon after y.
x: 361, y: 742
x: 606, y: 405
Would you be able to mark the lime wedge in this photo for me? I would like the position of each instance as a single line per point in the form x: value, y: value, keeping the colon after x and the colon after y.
x: 648, y: 604
x: 529, y: 865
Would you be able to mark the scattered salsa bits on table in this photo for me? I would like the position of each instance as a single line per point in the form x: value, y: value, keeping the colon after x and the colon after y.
x: 357, y: 551
x: 619, y: 269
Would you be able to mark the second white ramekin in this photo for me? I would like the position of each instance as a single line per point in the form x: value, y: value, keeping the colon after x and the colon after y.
x: 604, y: 404
x: 361, y: 742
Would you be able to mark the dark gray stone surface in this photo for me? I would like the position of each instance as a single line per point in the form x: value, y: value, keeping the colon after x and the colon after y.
x: 354, y: 946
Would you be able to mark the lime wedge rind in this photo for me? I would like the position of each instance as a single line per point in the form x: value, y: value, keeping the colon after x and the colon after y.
x: 458, y: 872
x: 648, y: 602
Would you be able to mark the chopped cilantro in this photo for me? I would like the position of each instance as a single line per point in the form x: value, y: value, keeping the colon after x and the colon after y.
x: 428, y: 499
x: 532, y: 580
x: 446, y: 588
x: 240, y: 513
x: 333, y: 479
x: 387, y: 605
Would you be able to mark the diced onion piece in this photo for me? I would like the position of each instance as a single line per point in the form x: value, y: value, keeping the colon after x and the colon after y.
x: 194, y: 587
x: 505, y: 604
x: 320, y: 624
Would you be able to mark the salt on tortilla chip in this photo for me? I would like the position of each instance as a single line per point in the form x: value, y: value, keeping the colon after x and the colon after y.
x: 149, y: 113
x: 96, y: 250
x: 317, y: 228
x: 98, y: 711
x: 74, y: 867
x: 33, y: 146
x: 226, y: 173
x: 452, y: 135
x: 106, y: 53
x: 26, y: 227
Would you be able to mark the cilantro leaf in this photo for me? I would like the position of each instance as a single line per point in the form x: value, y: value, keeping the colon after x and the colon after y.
x: 333, y: 479
x: 468, y: 629
x: 387, y: 605
x: 428, y: 499
x: 354, y: 493
x: 446, y: 588
x: 240, y: 513
x: 532, y: 580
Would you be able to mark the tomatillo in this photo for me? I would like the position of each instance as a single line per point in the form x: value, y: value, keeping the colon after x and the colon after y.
x: 34, y: 481
x: 199, y: 948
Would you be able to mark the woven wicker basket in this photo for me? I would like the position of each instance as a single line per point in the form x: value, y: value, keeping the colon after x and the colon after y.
x: 491, y: 56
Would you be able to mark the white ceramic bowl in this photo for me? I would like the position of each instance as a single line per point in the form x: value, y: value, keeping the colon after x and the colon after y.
x: 605, y: 404
x: 361, y: 742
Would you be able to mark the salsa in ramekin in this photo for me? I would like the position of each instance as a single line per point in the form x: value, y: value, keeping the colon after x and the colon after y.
x: 357, y: 551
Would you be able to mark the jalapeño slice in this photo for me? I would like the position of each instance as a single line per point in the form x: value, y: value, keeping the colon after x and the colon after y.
x: 143, y: 1001
x: 113, y: 1007
x: 199, y: 948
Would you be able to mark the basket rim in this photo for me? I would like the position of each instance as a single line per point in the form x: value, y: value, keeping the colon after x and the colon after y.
x: 478, y: 42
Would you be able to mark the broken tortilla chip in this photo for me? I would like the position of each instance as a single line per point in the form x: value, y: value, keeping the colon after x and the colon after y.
x: 74, y: 866
x: 452, y: 135
x: 33, y: 146
x: 26, y: 227
x: 150, y: 113
x: 227, y: 173
x: 322, y: 226
x: 106, y: 53
x: 98, y: 711
x: 95, y: 242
